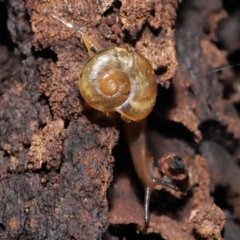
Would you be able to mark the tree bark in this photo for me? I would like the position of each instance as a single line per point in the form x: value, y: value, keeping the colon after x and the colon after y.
x: 57, y: 155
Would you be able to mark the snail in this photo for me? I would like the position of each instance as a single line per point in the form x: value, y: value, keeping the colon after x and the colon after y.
x: 116, y: 79
x: 119, y: 80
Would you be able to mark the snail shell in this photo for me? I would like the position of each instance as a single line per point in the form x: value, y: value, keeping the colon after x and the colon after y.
x: 118, y: 80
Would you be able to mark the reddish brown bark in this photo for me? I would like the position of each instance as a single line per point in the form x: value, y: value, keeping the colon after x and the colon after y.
x: 57, y: 154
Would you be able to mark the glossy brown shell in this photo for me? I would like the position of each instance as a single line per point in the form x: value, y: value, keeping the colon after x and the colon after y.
x: 130, y: 73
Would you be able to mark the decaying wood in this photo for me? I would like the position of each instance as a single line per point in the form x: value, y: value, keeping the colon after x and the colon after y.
x: 57, y: 155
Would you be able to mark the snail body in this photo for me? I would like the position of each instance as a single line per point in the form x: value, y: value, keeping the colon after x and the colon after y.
x: 119, y: 80
x: 91, y: 44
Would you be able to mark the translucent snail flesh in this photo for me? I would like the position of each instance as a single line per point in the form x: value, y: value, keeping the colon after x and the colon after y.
x: 119, y: 80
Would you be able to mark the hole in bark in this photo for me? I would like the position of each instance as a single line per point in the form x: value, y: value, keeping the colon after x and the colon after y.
x: 234, y: 58
x: 128, y: 38
x: 237, y: 106
x: 128, y: 232
x: 160, y: 70
x: 221, y: 198
x: 6, y: 154
x: 214, y: 131
x: 152, y: 12
x: 27, y: 145
x: 165, y: 100
x: 5, y: 38
x: 41, y: 125
x: 177, y: 130
x: 228, y: 91
x: 46, y: 53
x: 43, y: 100
x: 124, y: 164
x: 72, y: 238
x: 43, y: 170
x: 66, y: 123
x: 116, y: 5
x: 109, y: 11
x: 2, y: 227
x: 231, y: 6
x: 170, y: 129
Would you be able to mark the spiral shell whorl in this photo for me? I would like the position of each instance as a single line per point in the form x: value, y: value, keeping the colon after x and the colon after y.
x: 118, y: 80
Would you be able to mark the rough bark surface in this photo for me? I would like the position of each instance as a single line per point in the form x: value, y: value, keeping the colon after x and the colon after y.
x: 57, y: 155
